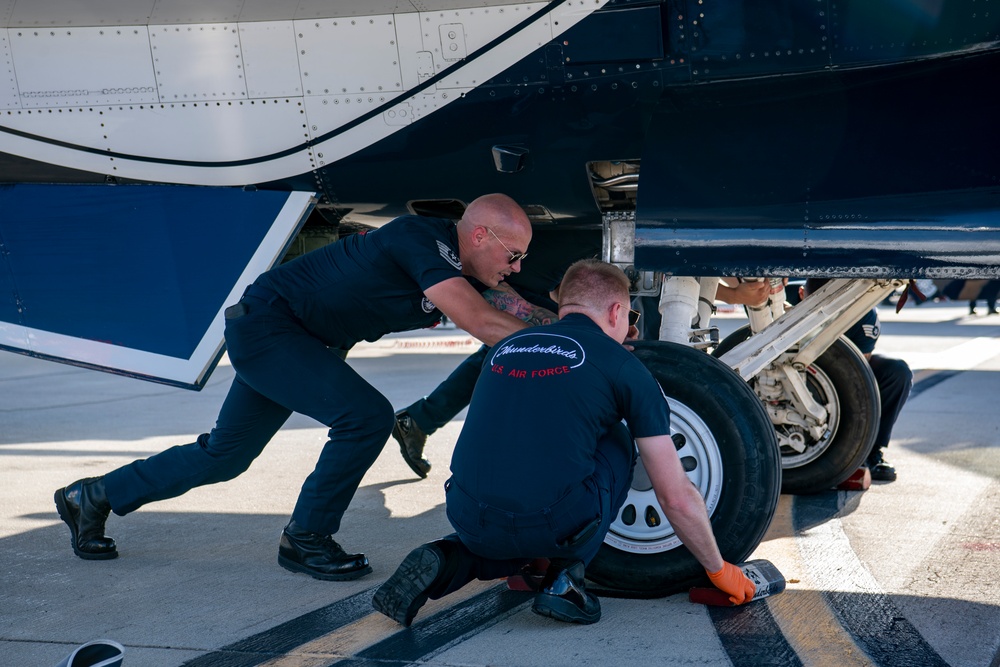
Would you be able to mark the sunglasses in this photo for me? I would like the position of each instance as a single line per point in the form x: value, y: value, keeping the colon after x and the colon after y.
x: 633, y: 317
x: 514, y: 256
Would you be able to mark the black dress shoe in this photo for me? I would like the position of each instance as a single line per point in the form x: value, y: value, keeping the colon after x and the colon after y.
x: 318, y: 556
x: 880, y: 470
x: 411, y: 443
x: 84, y: 507
x: 883, y: 472
x: 406, y: 591
x: 566, y: 599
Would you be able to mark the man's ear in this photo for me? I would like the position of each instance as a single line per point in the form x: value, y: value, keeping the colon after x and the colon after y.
x: 479, y: 235
x: 615, y: 312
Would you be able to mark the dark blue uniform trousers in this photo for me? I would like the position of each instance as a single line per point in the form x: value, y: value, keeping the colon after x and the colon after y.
x: 490, y: 543
x: 894, y: 379
x: 280, y: 369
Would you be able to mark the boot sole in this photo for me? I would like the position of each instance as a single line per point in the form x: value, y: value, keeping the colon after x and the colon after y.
x: 405, y: 592
x: 65, y: 515
x: 298, y: 568
x: 555, y: 607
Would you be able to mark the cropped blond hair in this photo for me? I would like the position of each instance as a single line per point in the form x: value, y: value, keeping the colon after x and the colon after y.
x: 593, y: 284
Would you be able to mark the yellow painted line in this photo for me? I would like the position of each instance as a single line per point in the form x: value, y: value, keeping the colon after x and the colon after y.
x: 801, y: 612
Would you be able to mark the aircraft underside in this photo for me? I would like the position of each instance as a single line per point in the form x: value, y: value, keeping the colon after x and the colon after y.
x: 153, y: 162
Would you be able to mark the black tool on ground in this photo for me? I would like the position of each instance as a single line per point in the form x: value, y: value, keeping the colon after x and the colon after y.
x: 765, y: 576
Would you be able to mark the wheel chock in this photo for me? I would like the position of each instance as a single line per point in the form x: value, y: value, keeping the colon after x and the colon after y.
x: 765, y: 576
x: 859, y: 480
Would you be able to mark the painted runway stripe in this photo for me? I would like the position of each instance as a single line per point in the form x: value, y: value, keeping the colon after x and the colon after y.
x: 751, y: 637
x: 856, y: 598
x: 421, y: 641
x: 430, y: 637
x: 286, y: 637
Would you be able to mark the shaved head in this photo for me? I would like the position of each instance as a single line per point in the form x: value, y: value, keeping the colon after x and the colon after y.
x: 498, y: 212
x: 493, y: 229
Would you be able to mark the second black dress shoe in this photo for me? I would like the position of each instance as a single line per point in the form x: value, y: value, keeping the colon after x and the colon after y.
x: 411, y: 441
x: 84, y: 507
x: 319, y: 556
x: 881, y: 471
x: 566, y: 599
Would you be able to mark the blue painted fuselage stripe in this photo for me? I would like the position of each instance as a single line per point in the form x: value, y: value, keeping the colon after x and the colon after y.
x: 142, y: 267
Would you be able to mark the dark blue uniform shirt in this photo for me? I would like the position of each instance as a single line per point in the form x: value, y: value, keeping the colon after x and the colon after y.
x: 545, y: 396
x: 865, y: 332
x: 368, y: 285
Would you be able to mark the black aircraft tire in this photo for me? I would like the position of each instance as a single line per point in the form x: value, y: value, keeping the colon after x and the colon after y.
x: 843, y: 371
x: 730, y: 449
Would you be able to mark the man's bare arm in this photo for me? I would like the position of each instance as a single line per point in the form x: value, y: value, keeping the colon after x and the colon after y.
x: 504, y: 298
x: 680, y: 499
x: 464, y: 306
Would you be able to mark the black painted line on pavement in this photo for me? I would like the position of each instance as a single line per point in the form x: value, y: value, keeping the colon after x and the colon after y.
x: 871, y: 619
x: 282, y: 639
x: 420, y: 641
x: 751, y: 637
x: 429, y: 637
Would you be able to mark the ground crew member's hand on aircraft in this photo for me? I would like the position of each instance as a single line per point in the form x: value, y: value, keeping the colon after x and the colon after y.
x: 730, y: 579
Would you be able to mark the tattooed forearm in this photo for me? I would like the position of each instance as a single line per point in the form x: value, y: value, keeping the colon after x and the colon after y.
x: 505, y: 299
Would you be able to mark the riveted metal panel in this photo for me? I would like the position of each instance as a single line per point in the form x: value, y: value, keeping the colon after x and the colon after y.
x: 212, y: 132
x: 449, y: 34
x: 217, y: 45
x: 452, y: 41
x: 265, y: 10
x: 350, y: 55
x: 72, y: 125
x: 415, y: 64
x: 50, y: 13
x: 6, y: 9
x: 8, y: 84
x: 270, y: 59
x: 446, y: 5
x: 57, y: 67
x: 330, y: 112
x: 313, y: 9
x: 196, y: 11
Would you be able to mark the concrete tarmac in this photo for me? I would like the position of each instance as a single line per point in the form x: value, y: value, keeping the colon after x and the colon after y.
x: 905, y: 573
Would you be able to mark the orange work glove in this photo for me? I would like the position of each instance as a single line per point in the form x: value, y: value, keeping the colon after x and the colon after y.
x: 730, y: 579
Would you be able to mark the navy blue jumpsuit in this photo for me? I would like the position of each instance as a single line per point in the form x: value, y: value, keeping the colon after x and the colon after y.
x: 893, y: 376
x: 286, y: 345
x: 543, y: 463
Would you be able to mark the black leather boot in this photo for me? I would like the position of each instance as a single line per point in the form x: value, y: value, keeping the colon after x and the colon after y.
x: 84, y: 507
x: 411, y: 441
x: 420, y: 575
x: 880, y: 469
x: 566, y: 598
x: 319, y: 556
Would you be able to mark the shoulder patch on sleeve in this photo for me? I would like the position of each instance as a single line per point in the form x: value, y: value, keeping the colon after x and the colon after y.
x: 449, y: 255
